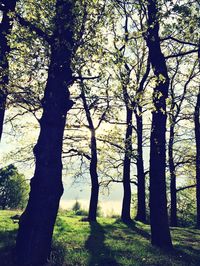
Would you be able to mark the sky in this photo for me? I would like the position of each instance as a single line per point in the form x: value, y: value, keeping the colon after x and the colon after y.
x: 109, y: 202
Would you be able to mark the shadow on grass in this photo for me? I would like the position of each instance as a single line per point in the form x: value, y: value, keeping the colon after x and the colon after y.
x: 100, y: 255
x: 182, y: 253
x: 58, y: 253
x: 7, y: 247
x: 132, y: 226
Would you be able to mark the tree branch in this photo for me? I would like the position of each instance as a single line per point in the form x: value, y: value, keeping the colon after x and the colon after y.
x: 79, y: 153
x: 179, y: 41
x: 181, y: 54
x: 186, y: 187
x: 34, y: 28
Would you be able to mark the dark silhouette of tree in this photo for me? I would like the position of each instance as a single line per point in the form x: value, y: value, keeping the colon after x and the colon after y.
x: 93, y: 161
x: 177, y: 99
x: 138, y: 111
x: 197, y: 138
x: 126, y: 205
x: 5, y: 29
x: 37, y: 222
x: 160, y: 234
x: 132, y: 75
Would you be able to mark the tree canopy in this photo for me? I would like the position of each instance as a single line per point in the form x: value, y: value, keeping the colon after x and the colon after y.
x: 13, y: 188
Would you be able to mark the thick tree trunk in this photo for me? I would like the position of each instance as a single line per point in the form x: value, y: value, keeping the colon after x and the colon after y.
x: 126, y: 205
x: 197, y: 137
x: 94, y: 179
x: 173, y: 195
x: 160, y: 234
x: 37, y: 222
x: 141, y: 206
x: 5, y: 30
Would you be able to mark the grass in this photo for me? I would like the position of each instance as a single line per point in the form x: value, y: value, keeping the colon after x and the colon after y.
x: 106, y: 243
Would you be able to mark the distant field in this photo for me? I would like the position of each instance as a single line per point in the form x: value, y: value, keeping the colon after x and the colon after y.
x: 106, y: 243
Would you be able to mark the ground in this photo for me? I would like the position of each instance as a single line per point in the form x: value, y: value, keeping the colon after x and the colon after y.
x: 106, y: 243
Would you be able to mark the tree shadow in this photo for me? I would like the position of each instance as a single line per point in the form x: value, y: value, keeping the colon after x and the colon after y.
x: 100, y: 254
x: 7, y: 247
x: 132, y: 225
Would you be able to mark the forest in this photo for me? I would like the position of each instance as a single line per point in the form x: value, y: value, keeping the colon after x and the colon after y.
x: 104, y: 92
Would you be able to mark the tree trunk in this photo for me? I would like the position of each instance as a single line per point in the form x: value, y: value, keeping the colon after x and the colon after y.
x: 93, y: 161
x: 126, y: 205
x: 94, y: 179
x: 37, y: 222
x: 160, y: 234
x: 141, y: 206
x: 173, y: 195
x: 197, y: 138
x: 5, y: 30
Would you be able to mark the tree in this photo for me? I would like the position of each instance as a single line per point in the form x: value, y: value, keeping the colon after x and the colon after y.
x: 197, y: 138
x: 37, y: 222
x: 129, y: 55
x: 76, y: 206
x: 176, y: 116
x: 93, y: 160
x: 5, y: 29
x: 183, y: 34
x: 13, y: 188
x: 160, y: 234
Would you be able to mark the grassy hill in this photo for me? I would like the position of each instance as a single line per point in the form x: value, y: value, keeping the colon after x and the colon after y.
x: 106, y: 243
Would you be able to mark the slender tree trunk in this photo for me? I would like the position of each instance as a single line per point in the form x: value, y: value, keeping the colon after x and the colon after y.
x: 5, y: 30
x: 126, y: 205
x: 37, y: 222
x: 141, y: 206
x: 173, y: 195
x: 93, y: 162
x: 94, y: 179
x: 160, y: 234
x: 197, y: 137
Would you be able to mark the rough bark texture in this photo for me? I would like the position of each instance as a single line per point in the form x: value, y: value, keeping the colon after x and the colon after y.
x: 141, y: 206
x: 173, y: 195
x: 37, y: 222
x: 93, y: 163
x: 197, y: 137
x: 160, y: 234
x: 126, y: 205
x: 5, y: 30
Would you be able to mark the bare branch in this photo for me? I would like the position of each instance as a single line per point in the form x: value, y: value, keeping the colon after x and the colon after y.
x: 186, y: 187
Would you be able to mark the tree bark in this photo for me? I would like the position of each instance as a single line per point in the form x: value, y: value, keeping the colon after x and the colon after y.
x: 5, y: 30
x: 197, y: 138
x: 93, y: 162
x: 94, y: 179
x: 126, y: 205
x: 160, y: 234
x: 173, y: 195
x: 36, y: 224
x: 141, y: 206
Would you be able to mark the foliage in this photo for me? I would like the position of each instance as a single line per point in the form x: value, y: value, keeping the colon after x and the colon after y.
x: 111, y: 54
x: 186, y: 207
x: 76, y: 206
x: 13, y: 188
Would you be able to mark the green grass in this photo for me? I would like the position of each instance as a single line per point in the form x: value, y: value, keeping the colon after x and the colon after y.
x: 107, y: 243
